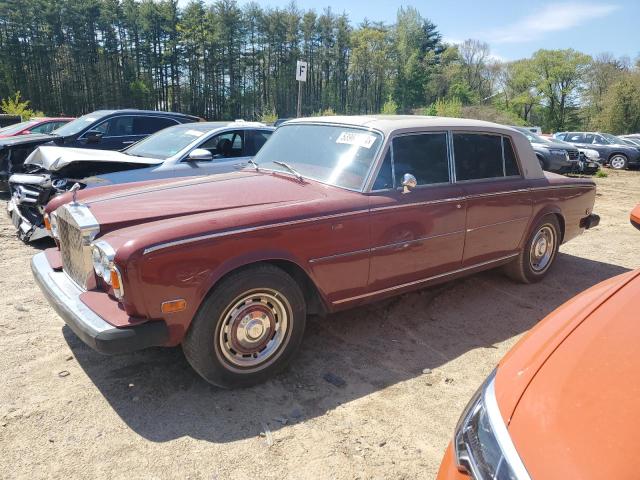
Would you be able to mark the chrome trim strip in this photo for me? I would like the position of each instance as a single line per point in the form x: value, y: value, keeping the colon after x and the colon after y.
x: 339, y: 255
x: 406, y: 243
x: 225, y: 233
x: 495, y: 194
x: 519, y: 219
x: 424, y: 280
x: 560, y: 187
x: 502, y: 434
x: 418, y: 204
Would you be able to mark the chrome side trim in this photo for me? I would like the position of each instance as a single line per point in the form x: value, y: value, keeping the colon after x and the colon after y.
x: 424, y: 280
x: 407, y: 243
x: 496, y: 194
x: 418, y: 204
x: 339, y: 255
x: 225, y: 233
x: 502, y: 434
x: 560, y: 187
x: 519, y: 219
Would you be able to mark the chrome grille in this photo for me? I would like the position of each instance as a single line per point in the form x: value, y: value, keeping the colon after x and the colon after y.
x: 74, y: 248
x: 573, y: 154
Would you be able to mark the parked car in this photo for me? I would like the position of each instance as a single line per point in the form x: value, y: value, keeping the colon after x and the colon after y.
x: 563, y: 402
x: 635, y: 217
x: 335, y: 212
x: 35, y: 125
x: 630, y: 140
x: 103, y: 129
x: 613, y: 151
x: 180, y: 151
x: 553, y: 155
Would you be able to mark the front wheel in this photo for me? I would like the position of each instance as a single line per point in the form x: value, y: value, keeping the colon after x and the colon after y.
x: 247, y: 328
x: 618, y: 162
x: 539, y: 253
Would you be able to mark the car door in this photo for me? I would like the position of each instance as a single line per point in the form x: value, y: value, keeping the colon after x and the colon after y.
x: 419, y: 233
x: 498, y: 200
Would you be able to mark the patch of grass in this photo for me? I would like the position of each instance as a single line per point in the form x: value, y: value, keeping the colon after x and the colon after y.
x: 601, y: 174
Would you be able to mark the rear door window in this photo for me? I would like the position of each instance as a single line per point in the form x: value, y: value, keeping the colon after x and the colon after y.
x: 510, y: 162
x: 254, y: 140
x: 149, y: 125
x: 477, y: 156
x: 424, y: 155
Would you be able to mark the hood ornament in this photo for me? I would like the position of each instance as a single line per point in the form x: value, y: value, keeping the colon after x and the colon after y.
x: 74, y: 191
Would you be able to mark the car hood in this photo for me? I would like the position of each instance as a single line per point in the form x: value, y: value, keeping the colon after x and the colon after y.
x: 230, y: 194
x: 54, y: 158
x: 578, y: 416
x: 34, y: 138
x: 555, y: 144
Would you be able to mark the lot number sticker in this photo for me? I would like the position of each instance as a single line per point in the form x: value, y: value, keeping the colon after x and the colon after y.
x: 364, y: 140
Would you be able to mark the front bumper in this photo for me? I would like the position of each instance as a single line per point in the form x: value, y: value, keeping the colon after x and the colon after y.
x: 64, y: 296
x: 26, y: 230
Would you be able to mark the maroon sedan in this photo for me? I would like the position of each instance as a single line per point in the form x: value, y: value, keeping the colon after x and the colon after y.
x: 35, y: 125
x: 332, y: 213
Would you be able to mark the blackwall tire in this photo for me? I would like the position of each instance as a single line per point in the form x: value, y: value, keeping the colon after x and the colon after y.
x: 248, y: 327
x: 539, y: 253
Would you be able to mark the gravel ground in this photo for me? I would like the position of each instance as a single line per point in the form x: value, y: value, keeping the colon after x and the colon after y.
x: 409, y: 366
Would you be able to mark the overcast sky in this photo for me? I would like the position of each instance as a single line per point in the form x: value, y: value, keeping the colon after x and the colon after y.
x: 513, y: 29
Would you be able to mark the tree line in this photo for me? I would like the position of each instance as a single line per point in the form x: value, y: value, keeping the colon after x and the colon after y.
x: 222, y: 60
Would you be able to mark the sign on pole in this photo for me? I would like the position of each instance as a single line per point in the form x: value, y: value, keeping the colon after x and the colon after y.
x: 301, y: 71
x: 301, y: 76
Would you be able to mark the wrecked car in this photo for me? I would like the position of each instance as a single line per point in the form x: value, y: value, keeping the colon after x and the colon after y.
x: 183, y: 150
x: 102, y: 129
x: 333, y: 212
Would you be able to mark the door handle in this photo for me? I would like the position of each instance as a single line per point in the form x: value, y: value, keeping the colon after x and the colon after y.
x: 459, y: 205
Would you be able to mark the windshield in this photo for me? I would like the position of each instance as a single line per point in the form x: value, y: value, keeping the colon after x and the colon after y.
x: 166, y: 143
x: 332, y: 154
x: 11, y: 129
x: 79, y: 124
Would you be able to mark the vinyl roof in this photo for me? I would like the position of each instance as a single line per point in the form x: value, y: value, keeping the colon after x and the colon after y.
x: 389, y: 123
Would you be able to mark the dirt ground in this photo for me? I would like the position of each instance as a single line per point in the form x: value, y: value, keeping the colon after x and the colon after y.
x: 409, y: 364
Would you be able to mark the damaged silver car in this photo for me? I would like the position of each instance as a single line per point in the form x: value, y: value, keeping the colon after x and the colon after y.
x: 193, y: 149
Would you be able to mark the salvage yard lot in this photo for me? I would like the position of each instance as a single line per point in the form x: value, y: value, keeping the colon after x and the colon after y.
x: 409, y: 365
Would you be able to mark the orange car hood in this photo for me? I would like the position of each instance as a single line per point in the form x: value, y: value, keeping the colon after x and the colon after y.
x: 579, y: 416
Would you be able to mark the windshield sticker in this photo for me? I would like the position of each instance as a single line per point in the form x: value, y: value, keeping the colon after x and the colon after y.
x: 194, y: 133
x: 364, y: 140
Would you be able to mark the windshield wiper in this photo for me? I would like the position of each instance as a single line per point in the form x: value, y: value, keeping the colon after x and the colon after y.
x: 255, y: 165
x: 291, y: 169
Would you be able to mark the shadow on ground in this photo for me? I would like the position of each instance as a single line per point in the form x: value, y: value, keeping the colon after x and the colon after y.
x: 161, y: 398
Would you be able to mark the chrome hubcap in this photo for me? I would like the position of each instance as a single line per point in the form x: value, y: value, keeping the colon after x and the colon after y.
x: 254, y: 328
x: 542, y: 248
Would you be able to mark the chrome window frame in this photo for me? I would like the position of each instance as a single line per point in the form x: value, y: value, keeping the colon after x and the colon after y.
x: 495, y: 134
x: 389, y: 144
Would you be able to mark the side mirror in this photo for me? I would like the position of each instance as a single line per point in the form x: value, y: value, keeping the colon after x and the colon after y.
x: 409, y: 182
x: 93, y: 136
x: 199, y: 155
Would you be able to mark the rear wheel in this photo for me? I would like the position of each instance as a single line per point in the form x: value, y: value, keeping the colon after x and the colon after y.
x: 247, y: 328
x: 618, y: 162
x: 539, y: 253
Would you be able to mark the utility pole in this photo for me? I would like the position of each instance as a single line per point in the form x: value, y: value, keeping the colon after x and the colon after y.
x: 301, y: 76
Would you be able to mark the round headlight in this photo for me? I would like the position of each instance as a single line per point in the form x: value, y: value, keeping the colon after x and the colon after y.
x: 96, y: 258
x: 106, y: 268
x: 53, y: 221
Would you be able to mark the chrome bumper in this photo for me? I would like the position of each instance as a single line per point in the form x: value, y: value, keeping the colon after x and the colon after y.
x: 64, y: 297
